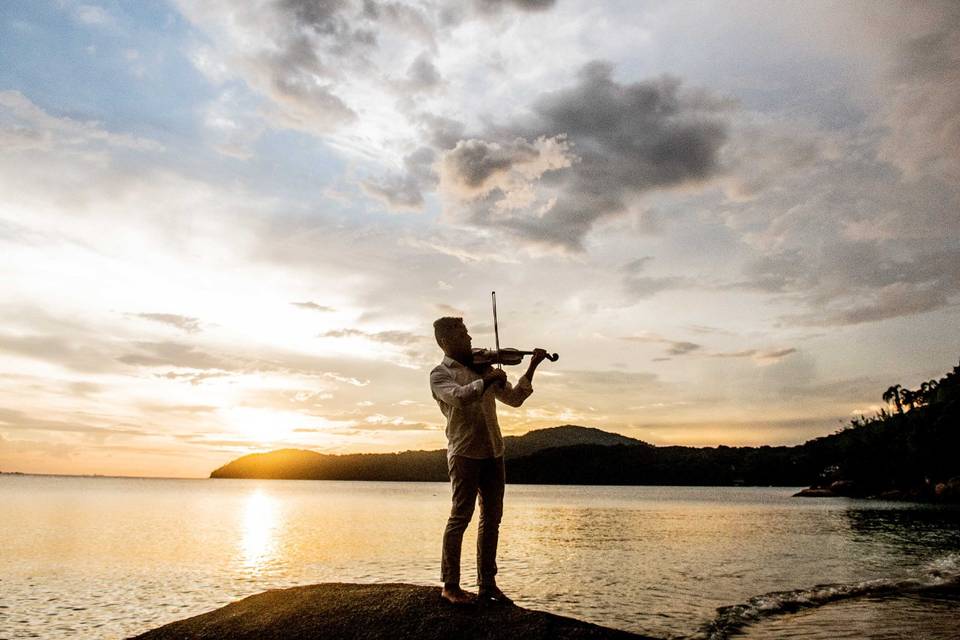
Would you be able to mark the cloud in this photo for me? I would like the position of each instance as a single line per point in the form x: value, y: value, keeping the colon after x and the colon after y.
x: 291, y: 52
x: 74, y: 353
x: 848, y: 282
x: 25, y: 126
x: 921, y: 110
x: 629, y: 139
x: 891, y: 301
x: 759, y: 356
x: 422, y: 75
x: 157, y: 354
x: 194, y: 378
x: 448, y: 310
x: 93, y: 15
x: 20, y: 421
x: 399, y: 192
x: 313, y: 306
x: 380, y: 422
x: 184, y: 323
x: 605, y: 382
x: 475, y: 168
x: 641, y: 286
x: 675, y: 348
x: 401, y: 338
x: 525, y: 5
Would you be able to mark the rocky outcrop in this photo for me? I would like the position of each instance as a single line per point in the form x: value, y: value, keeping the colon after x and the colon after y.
x: 373, y: 611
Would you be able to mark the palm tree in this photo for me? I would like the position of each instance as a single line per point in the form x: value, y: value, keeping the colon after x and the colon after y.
x: 908, y: 398
x: 928, y: 391
x: 893, y: 393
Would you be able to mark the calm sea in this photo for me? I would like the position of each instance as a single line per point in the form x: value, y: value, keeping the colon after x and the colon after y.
x: 110, y: 557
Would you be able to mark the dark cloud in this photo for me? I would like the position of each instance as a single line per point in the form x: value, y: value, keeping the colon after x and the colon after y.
x: 483, y: 169
x: 422, y: 74
x: 184, y: 323
x: 398, y: 192
x: 313, y: 306
x: 524, y: 5
x: 674, y: 348
x: 892, y: 301
x: 628, y: 139
x: 849, y: 282
x: 441, y: 132
x: 402, y: 18
x: 403, y: 191
x: 682, y: 347
x: 757, y: 354
x: 921, y: 109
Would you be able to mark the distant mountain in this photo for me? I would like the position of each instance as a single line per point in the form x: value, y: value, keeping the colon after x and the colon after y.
x: 567, y: 435
x: 300, y: 464
x: 909, y: 454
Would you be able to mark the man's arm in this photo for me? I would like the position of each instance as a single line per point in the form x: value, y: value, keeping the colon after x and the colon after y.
x: 446, y: 388
x: 539, y: 355
x: 514, y: 395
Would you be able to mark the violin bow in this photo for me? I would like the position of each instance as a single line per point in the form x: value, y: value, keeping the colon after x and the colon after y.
x: 496, y: 330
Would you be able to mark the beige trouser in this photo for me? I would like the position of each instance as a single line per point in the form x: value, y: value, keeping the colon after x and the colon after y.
x: 470, y: 477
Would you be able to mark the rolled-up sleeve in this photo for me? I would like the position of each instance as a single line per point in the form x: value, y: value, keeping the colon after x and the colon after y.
x: 514, y: 395
x: 446, y: 389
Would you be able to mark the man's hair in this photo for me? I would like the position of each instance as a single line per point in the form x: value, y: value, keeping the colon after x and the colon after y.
x: 443, y: 327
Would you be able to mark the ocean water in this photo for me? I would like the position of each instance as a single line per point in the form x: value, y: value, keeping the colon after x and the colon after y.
x: 112, y: 557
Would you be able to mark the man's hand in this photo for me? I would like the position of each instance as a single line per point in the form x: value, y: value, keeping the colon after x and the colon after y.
x: 494, y: 376
x: 539, y: 355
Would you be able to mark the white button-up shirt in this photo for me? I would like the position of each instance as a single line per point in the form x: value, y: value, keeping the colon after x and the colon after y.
x: 471, y: 413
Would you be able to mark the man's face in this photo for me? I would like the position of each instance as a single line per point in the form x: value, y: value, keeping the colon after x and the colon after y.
x: 458, y: 344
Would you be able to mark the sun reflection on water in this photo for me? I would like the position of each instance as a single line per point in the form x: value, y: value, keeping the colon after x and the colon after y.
x: 259, y: 525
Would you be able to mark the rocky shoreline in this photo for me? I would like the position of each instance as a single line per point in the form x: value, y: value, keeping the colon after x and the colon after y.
x: 374, y: 611
x: 948, y: 491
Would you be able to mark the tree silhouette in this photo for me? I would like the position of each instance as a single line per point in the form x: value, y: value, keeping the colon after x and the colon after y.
x: 908, y: 397
x: 893, y: 393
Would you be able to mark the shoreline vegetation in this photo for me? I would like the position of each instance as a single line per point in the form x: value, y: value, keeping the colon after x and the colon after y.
x: 907, y: 453
x: 369, y: 611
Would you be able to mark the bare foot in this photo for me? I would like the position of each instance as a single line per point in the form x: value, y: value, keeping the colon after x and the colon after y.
x: 457, y: 596
x: 493, y: 595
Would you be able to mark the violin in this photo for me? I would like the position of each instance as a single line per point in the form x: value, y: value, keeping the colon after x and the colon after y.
x: 506, y: 356
x: 484, y: 359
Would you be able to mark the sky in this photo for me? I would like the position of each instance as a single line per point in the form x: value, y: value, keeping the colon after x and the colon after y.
x: 228, y: 227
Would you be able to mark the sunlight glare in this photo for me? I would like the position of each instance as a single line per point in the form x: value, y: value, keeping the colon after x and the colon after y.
x: 259, y: 525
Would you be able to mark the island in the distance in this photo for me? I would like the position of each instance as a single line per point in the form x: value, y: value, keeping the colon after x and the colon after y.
x: 908, y: 453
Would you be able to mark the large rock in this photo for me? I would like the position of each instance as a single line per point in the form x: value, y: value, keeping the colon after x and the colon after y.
x: 815, y: 492
x: 949, y: 490
x: 368, y: 611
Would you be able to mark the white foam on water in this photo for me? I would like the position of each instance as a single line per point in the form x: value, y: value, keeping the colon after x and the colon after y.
x: 942, y: 572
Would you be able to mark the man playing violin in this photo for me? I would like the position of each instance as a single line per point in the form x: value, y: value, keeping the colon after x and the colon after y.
x: 467, y: 394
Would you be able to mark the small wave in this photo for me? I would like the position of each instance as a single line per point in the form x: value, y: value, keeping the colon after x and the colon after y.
x: 943, y: 572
